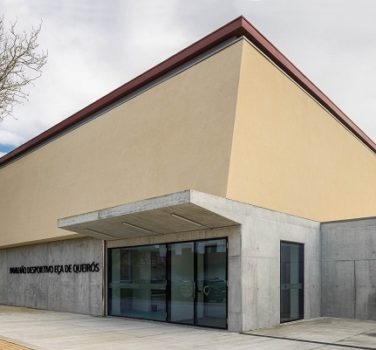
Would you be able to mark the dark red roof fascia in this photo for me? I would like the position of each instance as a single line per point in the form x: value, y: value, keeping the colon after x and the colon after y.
x: 236, y: 28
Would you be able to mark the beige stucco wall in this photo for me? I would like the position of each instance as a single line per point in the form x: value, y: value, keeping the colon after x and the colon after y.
x: 232, y: 125
x: 289, y: 154
x: 172, y: 137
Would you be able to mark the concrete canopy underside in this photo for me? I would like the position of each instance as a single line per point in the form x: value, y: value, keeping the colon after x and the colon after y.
x: 173, y: 213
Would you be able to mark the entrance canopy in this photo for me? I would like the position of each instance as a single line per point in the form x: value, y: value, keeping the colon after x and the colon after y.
x: 177, y: 212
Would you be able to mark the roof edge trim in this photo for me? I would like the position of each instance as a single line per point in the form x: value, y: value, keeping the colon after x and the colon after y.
x: 236, y: 28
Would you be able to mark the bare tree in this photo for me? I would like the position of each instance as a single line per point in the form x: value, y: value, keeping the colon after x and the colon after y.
x: 20, y: 65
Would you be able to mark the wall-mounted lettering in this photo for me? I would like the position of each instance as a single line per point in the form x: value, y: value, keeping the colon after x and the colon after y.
x: 58, y: 269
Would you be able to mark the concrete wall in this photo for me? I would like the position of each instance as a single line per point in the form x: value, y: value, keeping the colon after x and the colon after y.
x: 289, y: 154
x: 253, y: 265
x: 261, y: 233
x: 349, y: 269
x: 261, y: 236
x: 71, y: 292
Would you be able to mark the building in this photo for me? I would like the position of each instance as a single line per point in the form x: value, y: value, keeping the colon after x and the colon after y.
x: 220, y: 188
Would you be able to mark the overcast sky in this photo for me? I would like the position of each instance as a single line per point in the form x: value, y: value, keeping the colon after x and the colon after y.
x: 95, y: 46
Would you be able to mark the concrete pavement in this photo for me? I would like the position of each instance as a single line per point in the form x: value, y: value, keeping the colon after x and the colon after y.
x: 339, y: 331
x: 38, y: 329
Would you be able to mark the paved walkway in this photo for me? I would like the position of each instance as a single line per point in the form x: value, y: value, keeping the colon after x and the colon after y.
x: 341, y: 332
x: 48, y: 330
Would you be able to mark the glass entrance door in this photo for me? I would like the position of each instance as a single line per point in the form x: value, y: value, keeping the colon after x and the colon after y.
x: 182, y: 283
x: 292, y: 281
x: 211, y: 306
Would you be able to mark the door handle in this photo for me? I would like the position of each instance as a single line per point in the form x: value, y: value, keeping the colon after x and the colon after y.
x: 205, y: 290
x: 193, y: 289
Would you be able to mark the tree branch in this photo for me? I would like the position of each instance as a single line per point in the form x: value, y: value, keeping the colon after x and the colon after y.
x: 20, y: 65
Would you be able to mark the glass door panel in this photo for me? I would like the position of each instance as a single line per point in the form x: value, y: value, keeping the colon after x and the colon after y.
x: 292, y: 281
x: 137, y: 282
x: 182, y: 286
x: 211, y: 306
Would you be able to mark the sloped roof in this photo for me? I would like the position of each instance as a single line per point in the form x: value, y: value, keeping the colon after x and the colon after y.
x: 237, y: 28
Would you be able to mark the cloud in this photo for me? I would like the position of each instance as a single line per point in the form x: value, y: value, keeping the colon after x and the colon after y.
x: 10, y: 138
